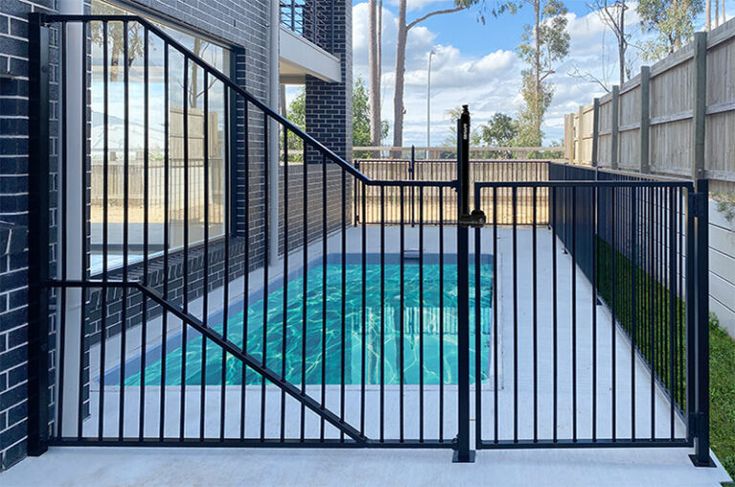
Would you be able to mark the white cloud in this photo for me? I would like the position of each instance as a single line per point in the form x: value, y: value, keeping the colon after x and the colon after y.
x: 412, y: 5
x: 490, y: 82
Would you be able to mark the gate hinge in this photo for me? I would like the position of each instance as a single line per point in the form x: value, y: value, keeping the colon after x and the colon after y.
x: 476, y: 219
x: 698, y: 204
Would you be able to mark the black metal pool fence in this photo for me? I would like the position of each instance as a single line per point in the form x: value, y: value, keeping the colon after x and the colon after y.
x: 640, y: 244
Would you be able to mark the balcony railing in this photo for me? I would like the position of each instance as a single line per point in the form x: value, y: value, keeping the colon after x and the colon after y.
x: 304, y: 18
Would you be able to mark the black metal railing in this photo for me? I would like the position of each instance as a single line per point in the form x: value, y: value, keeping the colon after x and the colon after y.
x: 445, y: 170
x: 557, y: 283
x: 223, y: 311
x: 180, y: 321
x: 306, y: 18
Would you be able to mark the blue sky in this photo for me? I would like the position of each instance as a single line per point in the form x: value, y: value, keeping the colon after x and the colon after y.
x: 477, y: 64
x: 463, y: 29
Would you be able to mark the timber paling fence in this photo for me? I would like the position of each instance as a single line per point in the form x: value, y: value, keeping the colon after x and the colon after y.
x: 675, y: 117
x: 389, y: 205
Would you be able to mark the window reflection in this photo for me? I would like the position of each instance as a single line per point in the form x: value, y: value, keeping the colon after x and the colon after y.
x: 112, y: 135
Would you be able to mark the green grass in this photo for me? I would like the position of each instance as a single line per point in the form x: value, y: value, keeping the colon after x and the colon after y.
x: 722, y: 395
x: 645, y: 316
x: 652, y: 300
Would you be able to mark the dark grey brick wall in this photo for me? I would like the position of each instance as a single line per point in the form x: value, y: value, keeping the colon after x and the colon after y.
x: 14, y: 210
x: 329, y: 120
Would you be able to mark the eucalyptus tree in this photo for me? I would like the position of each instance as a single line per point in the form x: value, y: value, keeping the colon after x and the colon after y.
x: 495, y: 8
x: 671, y: 22
x: 544, y: 44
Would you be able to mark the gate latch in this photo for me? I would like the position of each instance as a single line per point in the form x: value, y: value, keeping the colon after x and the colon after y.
x: 476, y: 219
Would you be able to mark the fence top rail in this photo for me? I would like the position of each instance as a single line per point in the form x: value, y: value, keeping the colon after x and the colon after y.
x: 450, y: 160
x: 622, y: 172
x: 388, y: 148
x: 585, y: 184
x: 411, y: 183
x: 211, y: 70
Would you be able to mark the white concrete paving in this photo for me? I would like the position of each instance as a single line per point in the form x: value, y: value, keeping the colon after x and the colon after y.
x: 216, y: 467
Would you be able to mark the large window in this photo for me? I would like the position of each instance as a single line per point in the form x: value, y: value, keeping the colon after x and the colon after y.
x: 108, y: 140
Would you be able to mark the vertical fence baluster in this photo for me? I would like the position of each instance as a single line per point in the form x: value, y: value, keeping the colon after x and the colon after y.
x: 64, y: 198
x: 105, y: 228
x: 226, y: 283
x: 266, y: 267
x: 595, y: 228
x: 83, y: 236
x: 402, y: 314
x: 363, y: 314
x: 166, y: 240
x: 144, y: 311
x: 534, y: 298
x: 421, y: 314
x: 284, y: 311
x: 634, y: 305
x: 343, y: 231
x: 205, y: 260
x: 324, y: 293
x: 555, y: 312
x: 441, y: 314
x: 574, y: 311
x: 245, y: 265
x: 305, y: 278
x: 382, y: 313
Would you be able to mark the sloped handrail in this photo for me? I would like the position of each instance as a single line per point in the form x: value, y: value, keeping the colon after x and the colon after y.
x: 221, y: 77
x: 225, y: 345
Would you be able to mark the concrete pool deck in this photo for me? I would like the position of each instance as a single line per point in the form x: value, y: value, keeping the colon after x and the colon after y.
x: 664, y: 466
x: 224, y: 467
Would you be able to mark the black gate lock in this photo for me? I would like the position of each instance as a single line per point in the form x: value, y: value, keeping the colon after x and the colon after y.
x: 476, y: 219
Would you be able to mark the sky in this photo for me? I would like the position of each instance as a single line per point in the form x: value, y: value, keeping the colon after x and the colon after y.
x: 477, y: 64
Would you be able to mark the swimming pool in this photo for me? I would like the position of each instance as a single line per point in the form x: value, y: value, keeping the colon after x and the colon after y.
x: 323, y: 332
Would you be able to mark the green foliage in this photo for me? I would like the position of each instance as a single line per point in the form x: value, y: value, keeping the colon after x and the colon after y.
x: 450, y: 140
x: 297, y: 111
x: 360, y: 119
x: 726, y: 205
x: 722, y: 346
x: 671, y: 22
x: 499, y: 131
x: 722, y: 395
x: 361, y: 115
x: 543, y: 46
x: 646, y: 318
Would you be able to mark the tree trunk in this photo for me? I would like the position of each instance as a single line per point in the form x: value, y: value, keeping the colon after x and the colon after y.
x: 708, y: 15
x: 724, y: 16
x: 193, y: 78
x: 400, y: 72
x: 374, y: 68
x: 537, y: 71
x: 621, y: 43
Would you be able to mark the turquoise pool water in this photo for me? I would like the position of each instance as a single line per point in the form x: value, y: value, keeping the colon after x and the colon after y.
x: 385, y: 332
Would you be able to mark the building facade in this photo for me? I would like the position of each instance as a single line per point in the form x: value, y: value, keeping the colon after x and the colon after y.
x: 259, y: 44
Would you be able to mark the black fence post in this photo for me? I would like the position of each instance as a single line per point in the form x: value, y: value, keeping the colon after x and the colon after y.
x: 463, y: 454
x: 355, y: 210
x: 38, y: 236
x: 701, y: 457
x: 412, y: 176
